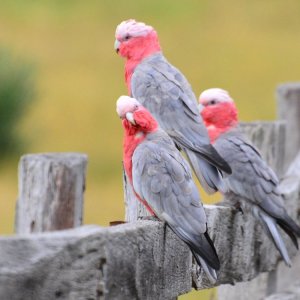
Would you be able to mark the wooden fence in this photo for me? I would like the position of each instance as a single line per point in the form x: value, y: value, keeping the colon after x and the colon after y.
x: 54, y: 257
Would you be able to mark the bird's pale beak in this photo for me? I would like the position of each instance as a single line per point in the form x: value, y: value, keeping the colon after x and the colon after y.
x: 130, y: 118
x: 117, y: 46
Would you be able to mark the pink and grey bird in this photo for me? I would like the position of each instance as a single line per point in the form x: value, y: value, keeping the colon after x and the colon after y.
x: 253, y: 185
x: 162, y: 180
x: 166, y: 93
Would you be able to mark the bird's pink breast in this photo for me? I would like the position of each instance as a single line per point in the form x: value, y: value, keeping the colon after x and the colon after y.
x: 130, y: 144
x: 136, y: 51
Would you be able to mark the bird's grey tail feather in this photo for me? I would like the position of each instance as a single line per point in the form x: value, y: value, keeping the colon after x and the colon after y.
x: 290, y: 232
x: 208, y: 175
x: 200, y: 244
x: 209, y: 153
x: 209, y: 271
x: 270, y: 225
x: 291, y: 228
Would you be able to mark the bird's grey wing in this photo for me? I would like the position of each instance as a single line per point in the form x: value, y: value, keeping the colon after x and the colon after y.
x: 163, y: 179
x: 252, y: 178
x: 164, y: 91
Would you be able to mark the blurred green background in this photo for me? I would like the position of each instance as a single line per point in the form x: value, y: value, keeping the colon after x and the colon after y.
x: 247, y: 47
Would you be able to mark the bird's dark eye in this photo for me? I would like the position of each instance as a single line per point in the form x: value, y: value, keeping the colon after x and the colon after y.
x: 212, y: 102
x: 127, y: 37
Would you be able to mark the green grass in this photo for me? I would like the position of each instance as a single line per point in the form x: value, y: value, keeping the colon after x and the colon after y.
x: 245, y: 47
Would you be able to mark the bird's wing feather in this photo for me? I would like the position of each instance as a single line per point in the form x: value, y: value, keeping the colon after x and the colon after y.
x: 163, y: 179
x: 250, y: 171
x: 165, y: 92
x: 252, y: 178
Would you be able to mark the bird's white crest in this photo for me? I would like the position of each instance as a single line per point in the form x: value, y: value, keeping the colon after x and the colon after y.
x: 133, y: 28
x: 126, y: 104
x: 215, y: 94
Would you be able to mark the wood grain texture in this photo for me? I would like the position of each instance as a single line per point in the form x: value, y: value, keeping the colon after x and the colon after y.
x: 131, y: 261
x: 139, y: 260
x: 51, y: 188
x: 288, y: 107
x: 134, y: 209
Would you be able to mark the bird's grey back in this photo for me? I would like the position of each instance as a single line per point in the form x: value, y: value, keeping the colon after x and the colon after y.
x: 167, y: 94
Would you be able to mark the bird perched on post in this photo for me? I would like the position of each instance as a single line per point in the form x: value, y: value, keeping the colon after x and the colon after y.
x: 166, y: 93
x: 162, y: 180
x: 253, y: 184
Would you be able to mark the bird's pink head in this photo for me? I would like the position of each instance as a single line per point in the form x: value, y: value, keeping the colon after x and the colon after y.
x: 137, y: 123
x: 218, y: 111
x: 136, y: 40
x: 136, y: 118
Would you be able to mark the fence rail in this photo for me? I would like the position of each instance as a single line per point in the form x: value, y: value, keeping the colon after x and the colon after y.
x: 140, y: 259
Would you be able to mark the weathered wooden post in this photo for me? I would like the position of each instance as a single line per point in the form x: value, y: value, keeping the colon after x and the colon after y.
x: 288, y: 107
x: 51, y: 190
x: 134, y: 209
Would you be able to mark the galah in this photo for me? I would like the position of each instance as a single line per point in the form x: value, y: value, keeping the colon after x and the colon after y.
x: 253, y: 185
x: 162, y: 180
x: 166, y: 93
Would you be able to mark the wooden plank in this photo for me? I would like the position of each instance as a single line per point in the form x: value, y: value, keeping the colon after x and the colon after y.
x: 139, y: 260
x: 131, y: 261
x: 282, y: 296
